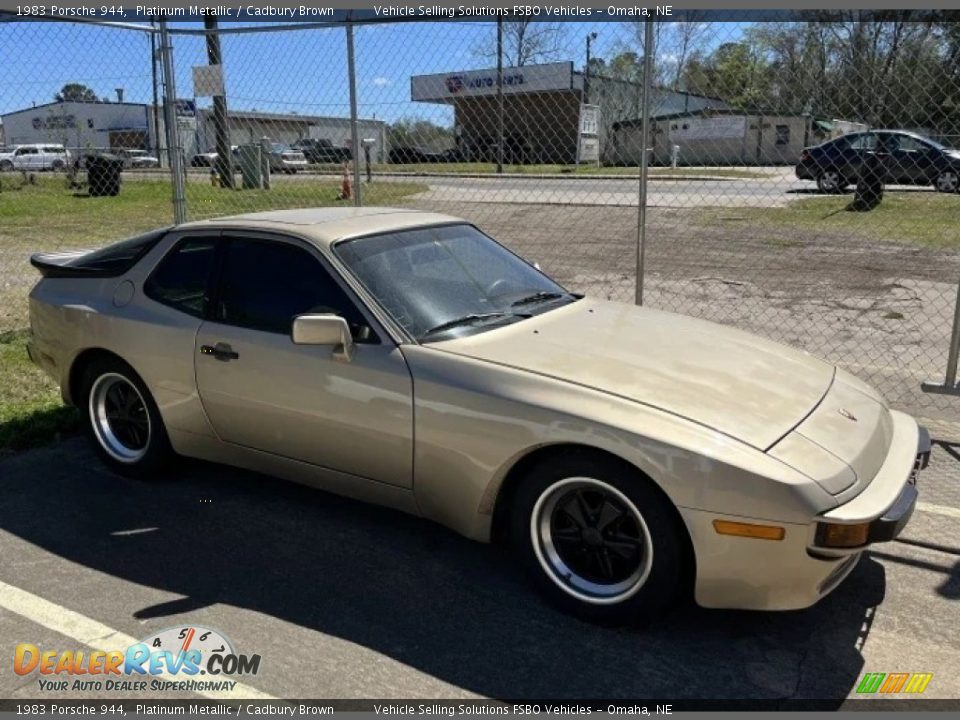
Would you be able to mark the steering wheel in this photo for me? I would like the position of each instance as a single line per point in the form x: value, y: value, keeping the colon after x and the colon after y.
x: 498, y: 287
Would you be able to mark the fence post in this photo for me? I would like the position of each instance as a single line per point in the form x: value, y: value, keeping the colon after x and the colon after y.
x: 644, y: 156
x: 354, y: 134
x: 949, y: 386
x: 174, y: 152
x: 499, y: 95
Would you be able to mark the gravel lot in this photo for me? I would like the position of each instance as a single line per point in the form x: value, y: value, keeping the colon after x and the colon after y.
x: 881, y: 309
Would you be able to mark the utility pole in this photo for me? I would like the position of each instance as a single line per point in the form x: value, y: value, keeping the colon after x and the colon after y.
x: 221, y: 127
x: 586, y: 70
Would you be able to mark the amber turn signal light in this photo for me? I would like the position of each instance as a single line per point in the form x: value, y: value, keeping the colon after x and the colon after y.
x: 740, y: 529
x: 842, y: 536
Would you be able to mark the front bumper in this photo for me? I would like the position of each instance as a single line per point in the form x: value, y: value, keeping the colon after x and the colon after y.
x: 794, y: 573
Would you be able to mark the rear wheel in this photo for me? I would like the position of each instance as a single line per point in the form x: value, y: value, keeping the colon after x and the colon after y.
x: 599, y: 539
x: 947, y: 182
x: 123, y: 420
x: 831, y: 181
x: 57, y: 165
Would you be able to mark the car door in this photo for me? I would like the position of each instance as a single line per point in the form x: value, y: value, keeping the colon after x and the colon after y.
x: 858, y: 149
x: 25, y: 158
x: 916, y: 159
x: 262, y: 391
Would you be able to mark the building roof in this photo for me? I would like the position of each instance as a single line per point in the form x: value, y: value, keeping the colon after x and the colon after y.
x: 327, y: 225
x: 284, y: 117
x: 34, y: 108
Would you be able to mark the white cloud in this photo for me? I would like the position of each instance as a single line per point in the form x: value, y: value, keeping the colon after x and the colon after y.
x: 381, y: 81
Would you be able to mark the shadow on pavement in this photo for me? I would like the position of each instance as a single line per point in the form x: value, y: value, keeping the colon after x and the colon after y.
x: 412, y: 590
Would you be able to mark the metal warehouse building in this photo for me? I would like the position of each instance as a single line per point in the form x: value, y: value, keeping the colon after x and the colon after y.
x: 714, y: 136
x: 249, y: 126
x: 80, y: 125
x: 542, y: 114
x: 112, y: 125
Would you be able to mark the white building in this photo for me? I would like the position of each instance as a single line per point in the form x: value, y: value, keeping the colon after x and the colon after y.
x: 111, y: 125
x: 82, y: 126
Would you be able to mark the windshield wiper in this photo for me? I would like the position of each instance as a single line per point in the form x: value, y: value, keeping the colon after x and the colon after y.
x: 538, y: 297
x: 469, y: 320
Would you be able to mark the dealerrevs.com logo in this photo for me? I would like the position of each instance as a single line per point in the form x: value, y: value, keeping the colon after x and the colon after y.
x: 173, y: 659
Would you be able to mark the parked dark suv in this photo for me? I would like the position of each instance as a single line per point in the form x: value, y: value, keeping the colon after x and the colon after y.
x: 907, y: 159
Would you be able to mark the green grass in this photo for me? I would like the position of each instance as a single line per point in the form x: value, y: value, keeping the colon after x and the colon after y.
x: 31, y: 412
x: 50, y: 216
x: 491, y: 168
x: 919, y: 218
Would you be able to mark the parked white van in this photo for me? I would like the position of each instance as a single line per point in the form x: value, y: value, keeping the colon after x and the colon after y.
x: 36, y: 157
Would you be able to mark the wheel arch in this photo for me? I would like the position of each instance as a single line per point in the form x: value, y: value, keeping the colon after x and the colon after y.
x: 522, y: 466
x: 78, y: 367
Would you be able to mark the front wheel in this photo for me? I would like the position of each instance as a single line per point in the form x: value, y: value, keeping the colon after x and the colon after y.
x: 830, y: 182
x: 6, y: 166
x: 123, y: 421
x: 947, y: 182
x: 600, y: 540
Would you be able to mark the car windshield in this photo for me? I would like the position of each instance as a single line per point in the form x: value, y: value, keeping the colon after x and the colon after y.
x: 447, y: 281
x: 280, y: 148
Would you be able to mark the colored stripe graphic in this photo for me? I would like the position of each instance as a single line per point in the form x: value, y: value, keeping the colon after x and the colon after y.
x: 871, y: 682
x: 894, y: 682
x: 890, y: 683
x: 918, y: 682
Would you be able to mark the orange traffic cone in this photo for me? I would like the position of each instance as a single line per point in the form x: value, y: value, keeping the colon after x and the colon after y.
x: 345, y: 190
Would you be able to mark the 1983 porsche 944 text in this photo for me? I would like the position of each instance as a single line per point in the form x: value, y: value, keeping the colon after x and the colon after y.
x: 407, y: 359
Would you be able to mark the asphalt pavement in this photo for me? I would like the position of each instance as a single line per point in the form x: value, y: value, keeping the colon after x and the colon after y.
x: 347, y: 600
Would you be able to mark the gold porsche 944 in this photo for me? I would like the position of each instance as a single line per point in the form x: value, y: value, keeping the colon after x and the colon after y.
x: 405, y: 358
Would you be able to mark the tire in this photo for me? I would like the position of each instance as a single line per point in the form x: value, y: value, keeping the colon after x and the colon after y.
x: 57, y: 166
x: 134, y: 444
x: 947, y: 182
x: 6, y: 166
x: 831, y: 182
x: 622, y: 564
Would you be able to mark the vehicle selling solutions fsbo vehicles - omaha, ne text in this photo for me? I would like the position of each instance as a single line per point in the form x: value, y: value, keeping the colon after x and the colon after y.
x: 415, y: 362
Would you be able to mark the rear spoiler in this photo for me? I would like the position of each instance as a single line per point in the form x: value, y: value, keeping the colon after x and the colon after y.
x: 57, y: 265
x: 111, y: 261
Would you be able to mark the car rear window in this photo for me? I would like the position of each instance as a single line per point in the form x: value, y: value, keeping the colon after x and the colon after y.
x: 116, y: 259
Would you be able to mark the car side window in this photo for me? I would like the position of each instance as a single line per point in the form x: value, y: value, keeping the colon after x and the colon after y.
x: 265, y: 284
x: 182, y: 278
x: 911, y: 144
x: 864, y: 141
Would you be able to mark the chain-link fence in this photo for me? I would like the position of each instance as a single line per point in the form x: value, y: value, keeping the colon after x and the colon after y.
x: 755, y: 134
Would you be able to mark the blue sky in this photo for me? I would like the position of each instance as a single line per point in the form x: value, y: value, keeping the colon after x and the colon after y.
x: 301, y: 71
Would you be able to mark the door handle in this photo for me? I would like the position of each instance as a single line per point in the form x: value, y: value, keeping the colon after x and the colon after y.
x: 221, y: 351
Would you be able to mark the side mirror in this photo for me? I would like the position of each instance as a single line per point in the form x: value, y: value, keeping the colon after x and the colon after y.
x: 324, y: 329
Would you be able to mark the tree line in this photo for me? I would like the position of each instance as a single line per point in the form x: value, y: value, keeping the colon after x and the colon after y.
x: 884, y: 68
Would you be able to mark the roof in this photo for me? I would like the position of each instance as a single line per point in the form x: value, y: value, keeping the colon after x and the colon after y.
x: 286, y: 117
x: 99, y: 104
x: 325, y: 225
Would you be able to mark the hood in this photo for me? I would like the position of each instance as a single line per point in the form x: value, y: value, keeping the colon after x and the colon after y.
x: 752, y: 389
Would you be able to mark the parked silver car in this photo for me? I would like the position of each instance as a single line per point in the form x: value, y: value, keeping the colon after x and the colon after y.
x: 284, y: 158
x: 137, y: 158
x: 38, y: 156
